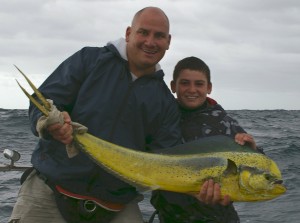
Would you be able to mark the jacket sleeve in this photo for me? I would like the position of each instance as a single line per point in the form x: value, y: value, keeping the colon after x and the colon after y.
x: 230, y: 126
x: 63, y: 84
x: 169, y: 133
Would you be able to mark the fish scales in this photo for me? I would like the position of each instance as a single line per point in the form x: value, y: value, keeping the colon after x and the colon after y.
x: 150, y: 170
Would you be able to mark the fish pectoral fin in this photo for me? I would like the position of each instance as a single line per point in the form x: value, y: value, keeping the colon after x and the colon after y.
x: 231, y: 169
x: 143, y: 189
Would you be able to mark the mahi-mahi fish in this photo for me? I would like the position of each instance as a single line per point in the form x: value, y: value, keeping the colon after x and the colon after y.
x: 243, y: 173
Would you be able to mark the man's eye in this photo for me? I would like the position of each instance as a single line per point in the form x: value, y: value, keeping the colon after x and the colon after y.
x: 143, y: 32
x: 160, y: 35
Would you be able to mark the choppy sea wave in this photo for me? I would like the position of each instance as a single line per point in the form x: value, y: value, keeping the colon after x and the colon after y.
x: 277, y: 131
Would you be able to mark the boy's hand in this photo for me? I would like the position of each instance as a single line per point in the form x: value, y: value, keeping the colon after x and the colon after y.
x: 243, y: 138
x: 210, y: 194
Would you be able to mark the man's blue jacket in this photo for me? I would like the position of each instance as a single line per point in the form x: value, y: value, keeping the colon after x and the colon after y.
x: 95, y: 87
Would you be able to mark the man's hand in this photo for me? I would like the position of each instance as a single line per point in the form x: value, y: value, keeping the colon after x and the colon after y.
x: 210, y: 194
x: 242, y: 138
x: 62, y: 133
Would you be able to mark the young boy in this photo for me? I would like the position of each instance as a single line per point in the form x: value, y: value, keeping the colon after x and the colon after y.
x: 201, y: 116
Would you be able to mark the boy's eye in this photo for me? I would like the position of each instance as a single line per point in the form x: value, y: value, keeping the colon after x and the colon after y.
x: 184, y: 83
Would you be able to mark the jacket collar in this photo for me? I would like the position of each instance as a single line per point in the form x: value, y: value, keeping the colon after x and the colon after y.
x: 120, y: 45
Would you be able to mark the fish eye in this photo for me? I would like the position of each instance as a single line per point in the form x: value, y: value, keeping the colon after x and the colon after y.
x: 268, y: 177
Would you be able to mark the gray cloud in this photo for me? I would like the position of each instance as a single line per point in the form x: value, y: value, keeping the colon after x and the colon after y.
x: 251, y: 46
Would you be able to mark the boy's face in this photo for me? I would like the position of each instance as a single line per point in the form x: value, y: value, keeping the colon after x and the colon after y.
x: 191, y: 88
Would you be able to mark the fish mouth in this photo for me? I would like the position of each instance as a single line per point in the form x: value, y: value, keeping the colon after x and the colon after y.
x: 278, y: 182
x: 278, y: 187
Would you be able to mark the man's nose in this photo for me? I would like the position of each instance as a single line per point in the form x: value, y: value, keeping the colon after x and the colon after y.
x: 150, y: 40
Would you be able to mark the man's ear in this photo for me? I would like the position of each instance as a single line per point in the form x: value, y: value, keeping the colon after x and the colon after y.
x: 128, y: 31
x: 169, y: 41
x: 173, y: 86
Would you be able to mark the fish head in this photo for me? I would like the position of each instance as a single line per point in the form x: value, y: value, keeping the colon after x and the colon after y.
x: 261, y: 184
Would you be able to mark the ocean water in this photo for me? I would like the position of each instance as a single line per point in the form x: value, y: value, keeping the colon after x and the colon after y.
x: 277, y: 131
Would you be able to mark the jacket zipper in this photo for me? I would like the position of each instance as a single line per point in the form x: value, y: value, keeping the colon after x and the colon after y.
x: 125, y: 100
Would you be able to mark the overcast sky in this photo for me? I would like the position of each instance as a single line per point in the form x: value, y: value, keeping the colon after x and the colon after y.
x: 251, y: 46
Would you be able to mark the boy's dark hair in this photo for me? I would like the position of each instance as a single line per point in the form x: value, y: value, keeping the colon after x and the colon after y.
x: 192, y: 63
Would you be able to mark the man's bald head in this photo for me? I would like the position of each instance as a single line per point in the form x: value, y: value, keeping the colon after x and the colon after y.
x: 153, y: 10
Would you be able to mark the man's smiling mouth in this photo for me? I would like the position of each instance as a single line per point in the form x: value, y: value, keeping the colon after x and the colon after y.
x: 150, y: 51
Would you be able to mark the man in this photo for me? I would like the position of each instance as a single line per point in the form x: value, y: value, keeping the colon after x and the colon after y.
x: 118, y: 92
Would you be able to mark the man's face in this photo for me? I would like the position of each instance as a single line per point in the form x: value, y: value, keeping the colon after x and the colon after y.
x: 147, y: 41
x: 191, y: 88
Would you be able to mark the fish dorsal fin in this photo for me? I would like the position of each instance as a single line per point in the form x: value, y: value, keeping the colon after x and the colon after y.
x: 219, y: 143
x: 231, y: 168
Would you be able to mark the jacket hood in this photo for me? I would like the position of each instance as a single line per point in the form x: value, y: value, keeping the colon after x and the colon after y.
x: 120, y: 45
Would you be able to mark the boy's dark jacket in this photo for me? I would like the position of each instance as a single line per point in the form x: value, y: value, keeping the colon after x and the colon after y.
x: 208, y: 120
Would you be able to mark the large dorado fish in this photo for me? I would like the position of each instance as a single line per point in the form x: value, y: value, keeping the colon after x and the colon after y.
x: 243, y: 173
